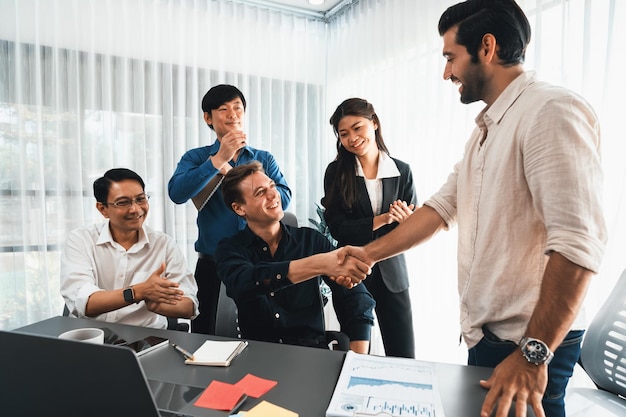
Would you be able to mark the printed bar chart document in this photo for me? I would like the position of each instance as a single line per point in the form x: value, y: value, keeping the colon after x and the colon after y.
x: 377, y: 385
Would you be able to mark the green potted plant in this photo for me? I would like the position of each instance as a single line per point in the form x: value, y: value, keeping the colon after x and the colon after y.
x: 322, y: 227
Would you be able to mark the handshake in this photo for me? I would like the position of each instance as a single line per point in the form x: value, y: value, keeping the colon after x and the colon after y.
x: 352, y: 265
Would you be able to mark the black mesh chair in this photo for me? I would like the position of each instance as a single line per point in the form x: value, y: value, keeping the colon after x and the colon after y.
x: 226, y: 322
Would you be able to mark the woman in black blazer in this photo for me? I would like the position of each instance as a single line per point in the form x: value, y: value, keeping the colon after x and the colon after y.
x: 367, y: 194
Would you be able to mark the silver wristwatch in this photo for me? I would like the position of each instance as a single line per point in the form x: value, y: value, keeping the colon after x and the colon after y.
x: 535, y: 351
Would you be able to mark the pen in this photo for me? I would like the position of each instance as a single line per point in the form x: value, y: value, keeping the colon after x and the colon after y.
x: 185, y: 353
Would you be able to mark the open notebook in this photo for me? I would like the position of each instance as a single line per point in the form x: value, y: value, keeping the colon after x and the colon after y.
x: 47, y: 376
x: 217, y: 352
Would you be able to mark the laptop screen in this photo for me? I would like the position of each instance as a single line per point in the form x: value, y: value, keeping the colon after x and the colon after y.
x: 47, y: 376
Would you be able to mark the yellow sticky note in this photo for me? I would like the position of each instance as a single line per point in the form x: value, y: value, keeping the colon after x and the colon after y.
x: 267, y: 409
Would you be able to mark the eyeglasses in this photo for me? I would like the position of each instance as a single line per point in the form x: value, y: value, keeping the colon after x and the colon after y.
x: 127, y: 202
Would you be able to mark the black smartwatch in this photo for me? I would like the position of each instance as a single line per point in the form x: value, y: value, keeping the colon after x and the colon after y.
x: 129, y: 295
x: 535, y: 351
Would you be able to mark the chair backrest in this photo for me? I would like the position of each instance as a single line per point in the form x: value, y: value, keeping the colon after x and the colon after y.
x: 226, y: 321
x: 603, y: 354
x: 290, y: 219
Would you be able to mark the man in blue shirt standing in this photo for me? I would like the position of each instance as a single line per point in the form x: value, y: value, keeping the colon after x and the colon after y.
x: 273, y: 271
x: 198, y: 177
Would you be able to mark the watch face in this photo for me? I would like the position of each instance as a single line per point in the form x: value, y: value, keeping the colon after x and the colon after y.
x: 536, y: 351
x: 128, y: 295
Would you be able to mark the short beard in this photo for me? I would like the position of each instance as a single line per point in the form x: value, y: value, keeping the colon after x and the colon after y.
x: 471, y: 94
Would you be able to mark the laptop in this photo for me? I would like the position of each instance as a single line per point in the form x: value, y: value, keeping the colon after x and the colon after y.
x: 47, y: 376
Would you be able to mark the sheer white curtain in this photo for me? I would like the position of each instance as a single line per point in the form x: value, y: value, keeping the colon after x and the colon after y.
x: 86, y: 85
x: 389, y: 52
x: 90, y: 85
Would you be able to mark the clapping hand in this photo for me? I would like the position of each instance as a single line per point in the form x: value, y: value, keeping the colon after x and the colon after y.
x: 399, y: 211
x: 159, y: 289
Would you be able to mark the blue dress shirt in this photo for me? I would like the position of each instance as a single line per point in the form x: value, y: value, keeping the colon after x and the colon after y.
x: 216, y: 221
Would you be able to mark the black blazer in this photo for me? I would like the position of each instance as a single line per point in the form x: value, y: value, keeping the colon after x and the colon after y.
x: 354, y: 227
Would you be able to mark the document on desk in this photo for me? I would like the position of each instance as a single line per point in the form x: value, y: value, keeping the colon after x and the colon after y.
x: 369, y: 385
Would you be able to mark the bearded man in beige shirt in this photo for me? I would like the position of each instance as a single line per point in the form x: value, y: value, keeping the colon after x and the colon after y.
x: 527, y: 200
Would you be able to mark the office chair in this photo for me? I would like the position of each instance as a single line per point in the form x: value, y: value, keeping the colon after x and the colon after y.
x: 338, y: 340
x: 290, y: 219
x: 226, y: 322
x: 174, y: 324
x: 603, y: 357
x: 603, y: 353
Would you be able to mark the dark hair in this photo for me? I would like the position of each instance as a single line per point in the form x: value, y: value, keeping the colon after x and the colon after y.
x: 219, y: 95
x: 230, y: 185
x: 102, y: 185
x: 504, y: 19
x: 343, y: 189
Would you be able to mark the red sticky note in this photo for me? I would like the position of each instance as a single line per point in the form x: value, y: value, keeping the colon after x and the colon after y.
x: 220, y: 396
x: 254, y: 386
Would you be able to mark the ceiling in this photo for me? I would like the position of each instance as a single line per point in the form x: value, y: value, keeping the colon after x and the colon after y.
x: 304, y: 5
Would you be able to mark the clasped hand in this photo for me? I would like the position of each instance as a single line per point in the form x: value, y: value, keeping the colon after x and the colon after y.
x: 399, y: 211
x: 159, y: 289
x: 230, y: 143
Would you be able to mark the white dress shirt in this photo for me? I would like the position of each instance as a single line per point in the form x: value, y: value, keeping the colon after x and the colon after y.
x: 530, y: 184
x: 92, y: 261
x: 386, y: 169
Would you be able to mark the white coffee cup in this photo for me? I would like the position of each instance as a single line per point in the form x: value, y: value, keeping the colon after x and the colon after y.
x: 88, y: 334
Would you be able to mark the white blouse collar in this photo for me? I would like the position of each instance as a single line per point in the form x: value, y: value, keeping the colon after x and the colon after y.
x: 386, y: 167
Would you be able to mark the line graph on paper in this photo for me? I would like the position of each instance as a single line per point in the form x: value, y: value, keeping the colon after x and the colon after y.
x: 395, y: 386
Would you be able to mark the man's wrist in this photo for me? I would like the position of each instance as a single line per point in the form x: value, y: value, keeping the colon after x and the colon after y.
x: 222, y: 166
x: 535, y: 351
x: 129, y: 294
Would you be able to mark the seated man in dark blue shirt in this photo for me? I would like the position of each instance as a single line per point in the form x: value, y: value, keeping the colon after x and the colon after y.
x: 273, y: 271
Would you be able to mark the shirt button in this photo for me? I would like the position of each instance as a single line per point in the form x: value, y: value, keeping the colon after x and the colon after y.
x: 264, y: 248
x: 280, y: 340
x: 257, y: 283
x: 272, y: 294
x: 278, y: 276
x: 277, y: 315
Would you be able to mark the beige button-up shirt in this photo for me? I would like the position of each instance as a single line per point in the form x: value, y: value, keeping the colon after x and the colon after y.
x: 529, y: 184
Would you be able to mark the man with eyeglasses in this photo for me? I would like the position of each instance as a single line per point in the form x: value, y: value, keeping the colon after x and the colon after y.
x: 120, y: 270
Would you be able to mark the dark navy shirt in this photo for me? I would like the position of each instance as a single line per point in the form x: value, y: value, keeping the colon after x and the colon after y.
x: 270, y: 307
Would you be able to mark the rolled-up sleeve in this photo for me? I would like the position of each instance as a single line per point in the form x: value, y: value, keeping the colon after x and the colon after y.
x: 568, y: 198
